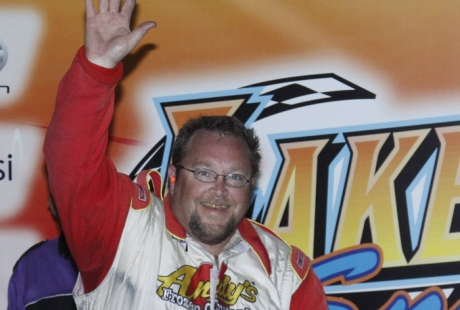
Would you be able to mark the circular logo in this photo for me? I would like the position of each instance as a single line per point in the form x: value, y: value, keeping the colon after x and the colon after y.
x: 3, y: 54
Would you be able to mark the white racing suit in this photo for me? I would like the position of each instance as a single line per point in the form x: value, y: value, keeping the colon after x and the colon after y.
x: 131, y: 251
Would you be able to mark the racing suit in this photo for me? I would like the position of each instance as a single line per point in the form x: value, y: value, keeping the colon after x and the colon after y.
x: 131, y: 251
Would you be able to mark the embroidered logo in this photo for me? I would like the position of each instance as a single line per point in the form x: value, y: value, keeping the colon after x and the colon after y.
x: 190, y: 288
x: 142, y: 195
x: 300, y: 262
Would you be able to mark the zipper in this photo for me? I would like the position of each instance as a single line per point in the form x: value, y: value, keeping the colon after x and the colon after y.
x: 214, y: 277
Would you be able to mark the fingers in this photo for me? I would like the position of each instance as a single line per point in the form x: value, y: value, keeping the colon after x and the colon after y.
x: 110, y: 5
x: 128, y: 7
x: 114, y: 5
x: 103, y: 6
x: 90, y: 11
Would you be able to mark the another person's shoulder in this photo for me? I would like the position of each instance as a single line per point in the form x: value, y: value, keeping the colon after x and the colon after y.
x: 36, y: 250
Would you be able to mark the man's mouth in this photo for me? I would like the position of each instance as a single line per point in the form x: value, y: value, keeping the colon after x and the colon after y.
x: 214, y: 206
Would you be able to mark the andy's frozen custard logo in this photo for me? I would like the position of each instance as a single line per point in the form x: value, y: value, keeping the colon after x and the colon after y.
x: 190, y: 288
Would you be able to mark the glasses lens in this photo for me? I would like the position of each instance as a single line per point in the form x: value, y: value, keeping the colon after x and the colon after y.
x: 236, y: 180
x: 205, y: 175
x: 209, y: 176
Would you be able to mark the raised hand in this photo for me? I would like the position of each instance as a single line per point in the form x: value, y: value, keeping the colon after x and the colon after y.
x: 108, y: 36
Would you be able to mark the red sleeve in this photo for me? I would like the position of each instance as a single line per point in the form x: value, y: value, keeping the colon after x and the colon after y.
x: 310, y: 294
x: 91, y: 197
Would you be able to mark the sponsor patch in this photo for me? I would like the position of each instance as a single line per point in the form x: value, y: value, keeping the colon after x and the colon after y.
x: 142, y: 195
x: 300, y: 262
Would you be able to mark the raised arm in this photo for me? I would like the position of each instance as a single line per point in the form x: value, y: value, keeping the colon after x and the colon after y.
x: 92, y: 198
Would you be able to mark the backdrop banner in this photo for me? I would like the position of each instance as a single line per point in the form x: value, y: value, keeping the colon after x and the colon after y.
x: 356, y: 106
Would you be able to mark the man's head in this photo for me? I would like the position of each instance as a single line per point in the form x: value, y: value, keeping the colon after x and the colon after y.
x: 224, y: 125
x: 217, y: 159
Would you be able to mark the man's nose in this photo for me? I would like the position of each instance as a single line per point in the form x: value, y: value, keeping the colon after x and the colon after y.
x: 220, y: 188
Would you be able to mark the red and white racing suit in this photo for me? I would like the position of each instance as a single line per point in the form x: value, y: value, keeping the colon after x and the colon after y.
x: 131, y: 251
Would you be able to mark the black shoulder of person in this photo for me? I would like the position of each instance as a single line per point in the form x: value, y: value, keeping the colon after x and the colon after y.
x: 65, y: 302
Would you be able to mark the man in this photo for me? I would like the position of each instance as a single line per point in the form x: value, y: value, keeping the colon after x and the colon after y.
x: 44, y: 276
x: 194, y: 250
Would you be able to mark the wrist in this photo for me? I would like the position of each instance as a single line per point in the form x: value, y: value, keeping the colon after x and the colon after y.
x: 100, y: 73
x: 104, y: 63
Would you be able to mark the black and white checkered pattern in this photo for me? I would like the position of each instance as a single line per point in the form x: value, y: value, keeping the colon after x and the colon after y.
x: 296, y: 92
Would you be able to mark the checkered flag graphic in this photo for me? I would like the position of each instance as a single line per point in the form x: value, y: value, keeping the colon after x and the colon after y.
x: 296, y: 92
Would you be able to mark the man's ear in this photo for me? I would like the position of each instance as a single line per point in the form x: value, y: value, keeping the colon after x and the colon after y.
x: 172, y: 178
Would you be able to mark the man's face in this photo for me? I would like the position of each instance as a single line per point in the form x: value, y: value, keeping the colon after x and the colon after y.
x: 211, y: 212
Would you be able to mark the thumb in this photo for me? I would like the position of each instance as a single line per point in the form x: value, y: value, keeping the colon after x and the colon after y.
x: 140, y: 31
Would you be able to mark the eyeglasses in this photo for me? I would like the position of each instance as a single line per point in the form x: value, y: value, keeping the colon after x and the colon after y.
x: 209, y: 176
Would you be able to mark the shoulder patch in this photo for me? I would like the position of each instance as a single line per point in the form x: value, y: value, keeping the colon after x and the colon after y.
x: 300, y: 262
x: 141, y: 198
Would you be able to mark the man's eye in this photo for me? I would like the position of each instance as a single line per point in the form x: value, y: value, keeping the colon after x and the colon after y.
x: 203, y: 173
x: 235, y: 177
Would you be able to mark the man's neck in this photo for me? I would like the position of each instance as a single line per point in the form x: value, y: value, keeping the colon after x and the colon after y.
x: 214, y: 249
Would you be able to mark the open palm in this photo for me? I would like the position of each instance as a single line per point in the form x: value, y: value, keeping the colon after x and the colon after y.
x: 108, y: 36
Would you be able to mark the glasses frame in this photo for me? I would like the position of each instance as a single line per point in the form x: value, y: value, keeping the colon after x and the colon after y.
x: 225, y: 176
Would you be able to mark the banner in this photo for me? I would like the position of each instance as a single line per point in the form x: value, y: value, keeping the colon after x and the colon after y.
x: 356, y: 106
